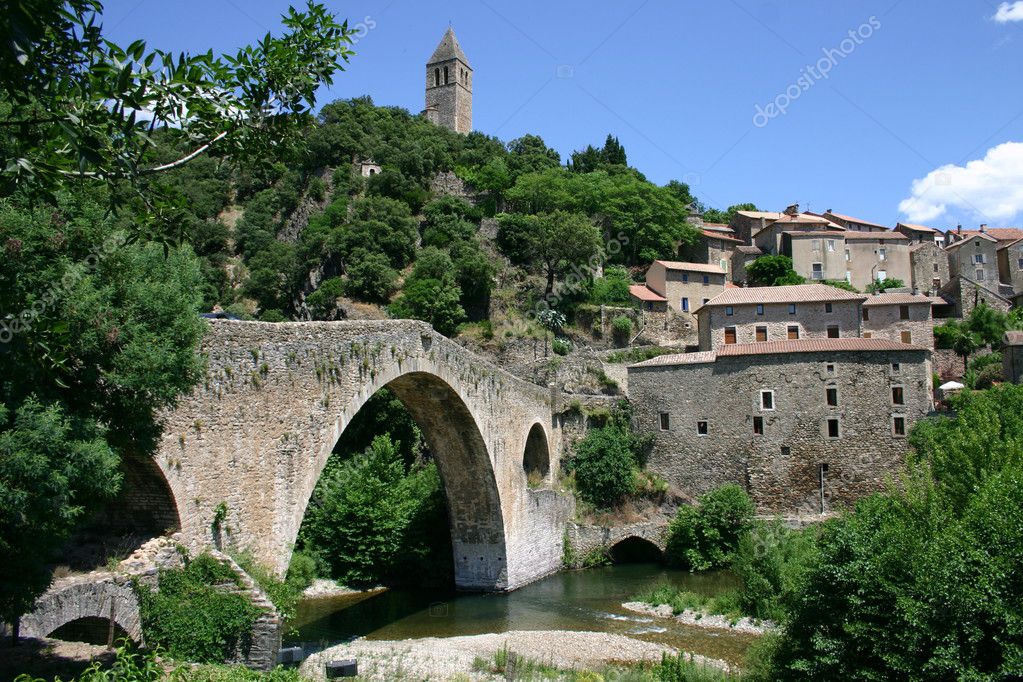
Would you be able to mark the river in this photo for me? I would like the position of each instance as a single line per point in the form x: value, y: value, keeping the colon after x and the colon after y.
x: 587, y: 600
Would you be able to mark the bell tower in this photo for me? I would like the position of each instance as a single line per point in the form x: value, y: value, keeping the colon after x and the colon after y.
x: 449, y: 86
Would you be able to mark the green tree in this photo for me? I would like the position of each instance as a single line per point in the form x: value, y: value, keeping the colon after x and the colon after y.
x: 605, y: 461
x: 563, y: 240
x: 612, y: 288
x: 274, y: 277
x: 884, y: 284
x: 707, y: 535
x: 370, y: 277
x: 431, y: 300
x: 713, y: 215
x: 957, y: 335
x: 770, y: 271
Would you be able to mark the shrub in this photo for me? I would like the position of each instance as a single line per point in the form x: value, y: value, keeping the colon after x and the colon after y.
x: 285, y: 594
x: 191, y: 618
x: 561, y: 346
x: 322, y: 303
x: 370, y: 277
x: 706, y: 536
x: 884, y: 285
x: 612, y: 288
x: 621, y: 324
x: 605, y: 460
x: 770, y: 560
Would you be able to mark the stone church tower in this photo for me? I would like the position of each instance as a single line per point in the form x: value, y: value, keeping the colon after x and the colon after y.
x: 449, y: 86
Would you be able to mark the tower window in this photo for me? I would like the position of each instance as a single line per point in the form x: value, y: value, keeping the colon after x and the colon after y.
x: 898, y: 426
x: 767, y: 400
x: 665, y: 421
x: 446, y: 79
x: 833, y: 428
x: 702, y: 428
x: 831, y: 393
x: 436, y: 76
x: 758, y: 426
x: 898, y: 396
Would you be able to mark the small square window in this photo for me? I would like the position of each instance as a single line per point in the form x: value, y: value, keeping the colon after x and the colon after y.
x: 702, y: 428
x: 767, y: 400
x: 896, y: 366
x: 793, y: 332
x: 831, y: 394
x: 729, y: 310
x: 903, y: 312
x: 898, y: 396
x: 828, y: 308
x: 868, y: 335
x: 792, y: 308
x: 833, y: 332
x: 730, y: 336
x: 829, y: 368
x: 786, y: 451
x: 706, y: 279
x: 665, y: 421
x: 833, y: 428
x: 866, y: 314
x: 760, y: 309
x: 907, y: 337
x: 936, y: 265
x: 898, y: 426
x: 758, y: 426
x: 761, y: 334
x: 685, y: 278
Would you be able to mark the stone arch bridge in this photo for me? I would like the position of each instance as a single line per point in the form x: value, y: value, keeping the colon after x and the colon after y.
x: 242, y: 453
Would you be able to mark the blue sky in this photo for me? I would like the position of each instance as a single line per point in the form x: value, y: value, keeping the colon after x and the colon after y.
x: 919, y: 118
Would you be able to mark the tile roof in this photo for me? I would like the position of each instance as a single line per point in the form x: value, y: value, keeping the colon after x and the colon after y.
x: 806, y: 218
x: 916, y: 228
x: 449, y: 49
x: 770, y: 215
x: 794, y: 293
x: 894, y: 236
x: 965, y: 237
x: 1012, y: 243
x: 998, y: 233
x: 717, y: 227
x: 850, y: 219
x: 847, y: 345
x: 832, y: 234
x: 691, y: 267
x: 644, y: 293
x: 711, y: 234
x: 898, y: 298
x: 746, y: 248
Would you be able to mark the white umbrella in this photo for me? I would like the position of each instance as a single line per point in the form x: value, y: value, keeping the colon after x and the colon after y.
x: 951, y: 386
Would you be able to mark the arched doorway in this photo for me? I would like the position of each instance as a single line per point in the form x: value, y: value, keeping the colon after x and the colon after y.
x: 455, y: 444
x: 636, y: 550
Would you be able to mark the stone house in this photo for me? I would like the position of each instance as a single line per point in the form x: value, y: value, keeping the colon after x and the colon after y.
x: 816, y: 255
x: 715, y: 246
x: 804, y: 426
x: 746, y: 224
x: 763, y: 314
x: 1010, y: 265
x: 874, y: 255
x: 686, y: 286
x: 1002, y: 235
x: 770, y: 239
x: 929, y: 266
x: 901, y: 317
x: 975, y: 258
x: 921, y: 234
x: 648, y: 300
x: 741, y: 258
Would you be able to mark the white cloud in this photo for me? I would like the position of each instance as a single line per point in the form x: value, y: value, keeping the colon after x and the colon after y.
x: 989, y: 189
x: 1009, y: 11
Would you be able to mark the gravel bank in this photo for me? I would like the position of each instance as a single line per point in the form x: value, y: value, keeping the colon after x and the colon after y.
x: 443, y: 658
x: 703, y: 620
x: 322, y: 587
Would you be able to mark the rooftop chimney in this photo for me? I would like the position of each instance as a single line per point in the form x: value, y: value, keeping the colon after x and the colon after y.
x: 983, y: 227
x: 792, y: 210
x: 959, y: 229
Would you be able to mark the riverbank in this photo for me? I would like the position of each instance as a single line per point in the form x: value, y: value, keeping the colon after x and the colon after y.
x: 699, y: 619
x: 465, y: 657
x: 324, y: 588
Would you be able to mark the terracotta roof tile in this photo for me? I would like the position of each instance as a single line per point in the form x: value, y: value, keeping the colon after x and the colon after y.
x: 691, y: 267
x: 894, y: 236
x: 795, y: 293
x: 916, y: 228
x: 850, y: 219
x: 998, y: 233
x: 746, y: 248
x: 898, y: 298
x: 644, y: 293
x: 710, y: 234
x: 717, y: 227
x: 679, y: 359
x: 848, y: 345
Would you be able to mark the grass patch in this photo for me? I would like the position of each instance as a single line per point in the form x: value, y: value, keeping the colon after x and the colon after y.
x: 633, y: 355
x: 725, y: 604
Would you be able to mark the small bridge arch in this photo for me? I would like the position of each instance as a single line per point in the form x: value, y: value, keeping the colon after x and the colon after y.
x: 104, y: 596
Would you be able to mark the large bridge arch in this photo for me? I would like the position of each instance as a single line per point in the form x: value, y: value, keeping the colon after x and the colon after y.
x: 244, y: 452
x: 74, y: 599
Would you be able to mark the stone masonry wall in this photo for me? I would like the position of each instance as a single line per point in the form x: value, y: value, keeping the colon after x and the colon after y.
x: 812, y: 319
x: 885, y: 322
x: 276, y: 398
x: 781, y: 468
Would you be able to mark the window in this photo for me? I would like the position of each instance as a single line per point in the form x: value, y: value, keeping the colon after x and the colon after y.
x: 829, y: 368
x: 866, y: 314
x: 665, y: 421
x: 828, y: 308
x: 936, y: 266
x: 685, y: 305
x: 831, y: 395
x: 833, y: 332
x: 980, y: 275
x: 446, y: 79
x: 761, y: 334
x: 701, y: 428
x: 898, y: 396
x: 833, y: 428
x: 848, y: 257
x: 831, y: 245
x: 793, y: 332
x: 436, y: 76
x: 685, y: 278
x: 649, y: 305
x: 729, y: 310
x: 978, y: 258
x: 898, y: 426
x: 706, y: 301
x: 786, y: 451
x: 903, y: 312
x: 724, y: 264
x: 868, y: 335
x: 818, y: 271
x: 848, y: 276
x: 706, y: 280
x: 882, y: 254
x: 760, y: 309
x: 896, y: 367
x: 758, y: 426
x: 1019, y: 264
x: 907, y: 337
x: 767, y: 400
x: 936, y: 282
x: 882, y: 275
x: 815, y: 244
x: 729, y: 335
x: 792, y: 308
